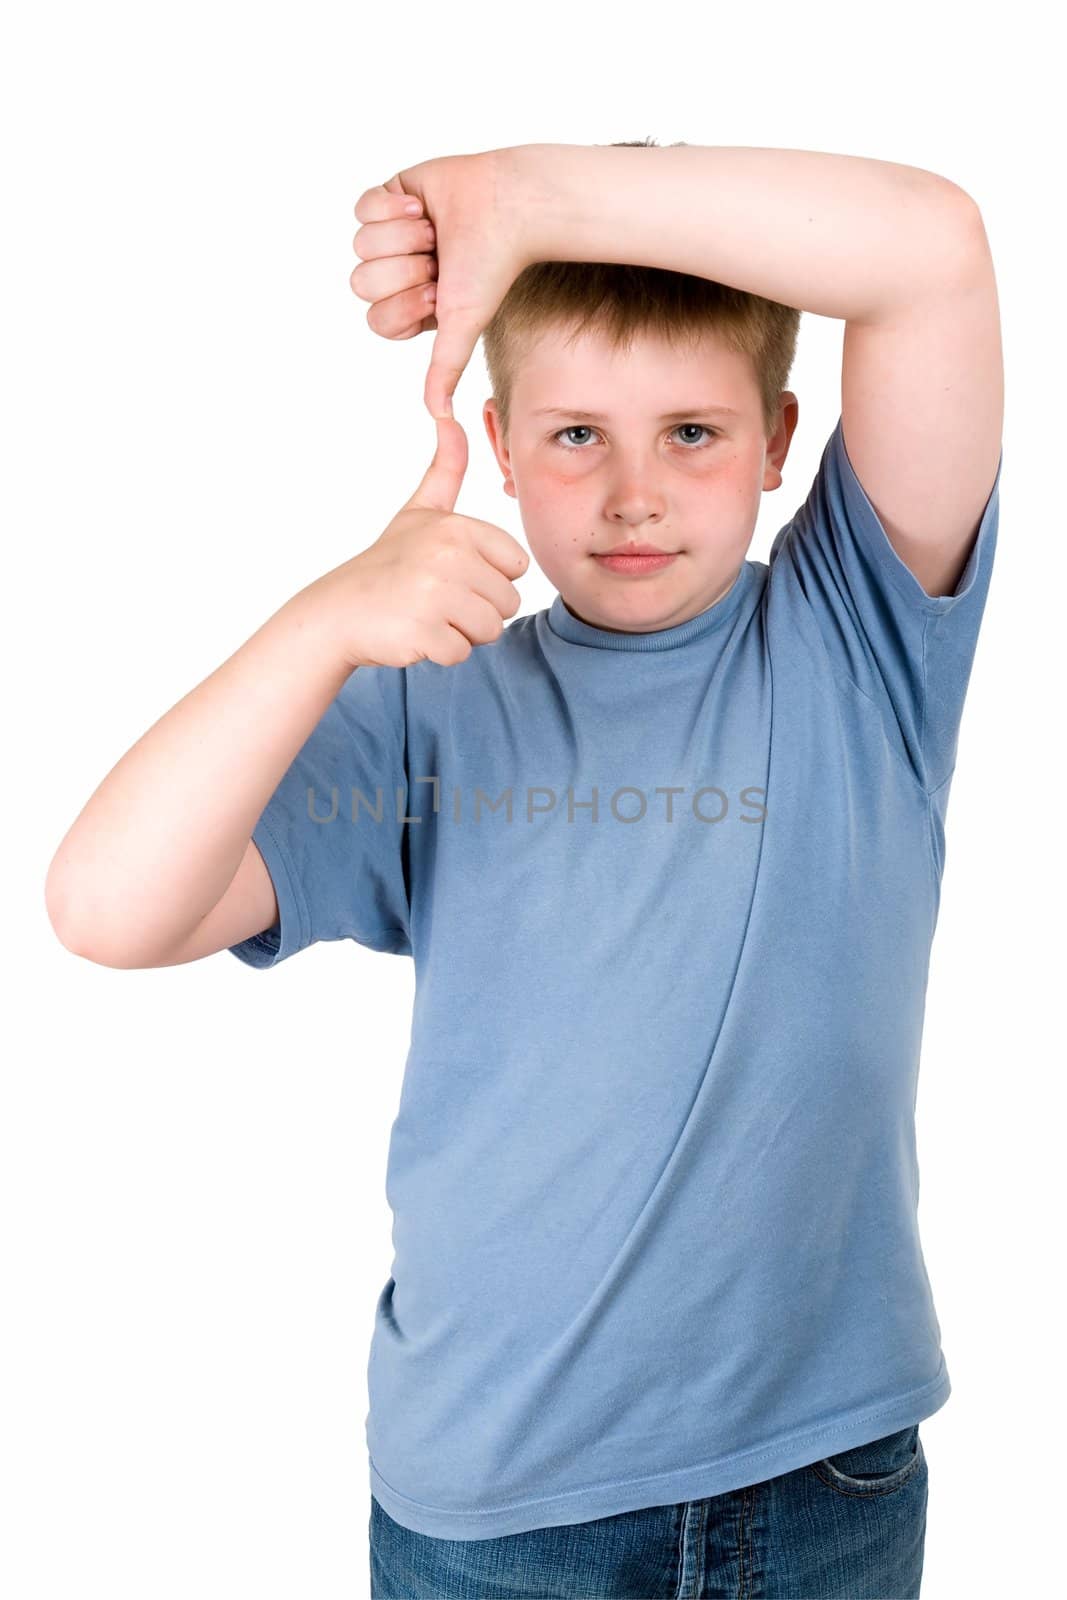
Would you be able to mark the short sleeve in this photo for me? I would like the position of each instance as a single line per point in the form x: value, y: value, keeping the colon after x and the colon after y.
x: 908, y: 652
x: 332, y: 833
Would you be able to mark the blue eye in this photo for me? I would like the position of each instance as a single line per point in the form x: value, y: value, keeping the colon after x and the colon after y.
x: 699, y: 444
x: 582, y: 427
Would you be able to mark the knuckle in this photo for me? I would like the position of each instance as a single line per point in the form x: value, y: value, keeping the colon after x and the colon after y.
x: 427, y: 584
x: 385, y: 318
x: 370, y: 242
x: 451, y: 537
x: 372, y: 203
x: 389, y: 278
x: 446, y: 556
x: 454, y: 652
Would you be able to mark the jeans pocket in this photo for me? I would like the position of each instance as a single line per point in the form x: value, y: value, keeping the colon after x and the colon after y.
x: 876, y: 1468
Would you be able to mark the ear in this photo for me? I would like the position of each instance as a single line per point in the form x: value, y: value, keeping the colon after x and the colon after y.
x: 779, y: 442
x: 491, y: 418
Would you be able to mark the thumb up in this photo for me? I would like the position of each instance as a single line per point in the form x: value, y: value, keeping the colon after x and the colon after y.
x: 433, y: 585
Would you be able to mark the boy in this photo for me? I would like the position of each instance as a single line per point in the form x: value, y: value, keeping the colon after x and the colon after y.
x: 667, y: 858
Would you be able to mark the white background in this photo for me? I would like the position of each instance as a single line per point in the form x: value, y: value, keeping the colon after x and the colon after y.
x: 196, y: 423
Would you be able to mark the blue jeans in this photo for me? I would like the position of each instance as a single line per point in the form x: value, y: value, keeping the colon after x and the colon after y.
x: 850, y: 1527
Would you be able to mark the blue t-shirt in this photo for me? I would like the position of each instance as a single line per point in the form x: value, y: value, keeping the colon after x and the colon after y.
x: 670, y: 898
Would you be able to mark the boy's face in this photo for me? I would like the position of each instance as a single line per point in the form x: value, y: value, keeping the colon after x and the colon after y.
x: 655, y: 464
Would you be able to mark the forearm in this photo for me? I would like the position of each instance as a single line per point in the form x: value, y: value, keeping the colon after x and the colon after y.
x: 157, y: 844
x: 838, y: 235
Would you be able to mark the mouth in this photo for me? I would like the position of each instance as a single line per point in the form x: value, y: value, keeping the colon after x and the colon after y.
x: 636, y: 560
x: 637, y: 550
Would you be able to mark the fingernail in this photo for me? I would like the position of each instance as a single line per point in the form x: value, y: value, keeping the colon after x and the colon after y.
x: 413, y: 208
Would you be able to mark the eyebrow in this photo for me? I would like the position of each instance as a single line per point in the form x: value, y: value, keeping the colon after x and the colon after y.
x: 669, y: 416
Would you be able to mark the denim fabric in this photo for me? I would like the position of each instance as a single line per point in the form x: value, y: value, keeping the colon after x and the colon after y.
x: 849, y: 1527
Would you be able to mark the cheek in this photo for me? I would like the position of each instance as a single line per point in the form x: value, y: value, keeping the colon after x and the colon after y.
x: 549, y: 495
x: 735, y: 483
x: 558, y: 523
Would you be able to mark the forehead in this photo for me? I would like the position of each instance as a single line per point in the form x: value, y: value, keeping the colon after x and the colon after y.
x: 650, y: 377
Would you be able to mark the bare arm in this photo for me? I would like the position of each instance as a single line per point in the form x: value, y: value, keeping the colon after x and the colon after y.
x: 839, y: 235
x: 249, y: 906
x: 140, y: 876
x: 160, y: 867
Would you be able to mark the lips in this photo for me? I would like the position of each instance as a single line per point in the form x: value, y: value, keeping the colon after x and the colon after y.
x: 631, y: 561
x: 635, y: 550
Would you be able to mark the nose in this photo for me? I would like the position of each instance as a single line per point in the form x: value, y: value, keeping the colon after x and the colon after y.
x: 634, y: 500
x: 633, y: 510
x: 632, y: 489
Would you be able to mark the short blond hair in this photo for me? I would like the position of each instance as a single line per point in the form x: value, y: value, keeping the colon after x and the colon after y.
x: 621, y: 301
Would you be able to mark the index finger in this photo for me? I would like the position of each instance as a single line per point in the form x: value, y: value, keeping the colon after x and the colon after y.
x: 386, y: 201
x: 498, y: 547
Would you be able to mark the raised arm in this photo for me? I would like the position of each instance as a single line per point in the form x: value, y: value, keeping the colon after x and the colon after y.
x: 160, y: 866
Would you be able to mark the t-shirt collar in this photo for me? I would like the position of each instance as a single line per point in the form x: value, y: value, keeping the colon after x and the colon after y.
x: 567, y: 626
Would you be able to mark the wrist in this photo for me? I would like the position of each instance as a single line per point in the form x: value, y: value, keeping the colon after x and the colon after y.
x: 540, y: 181
x: 317, y: 636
